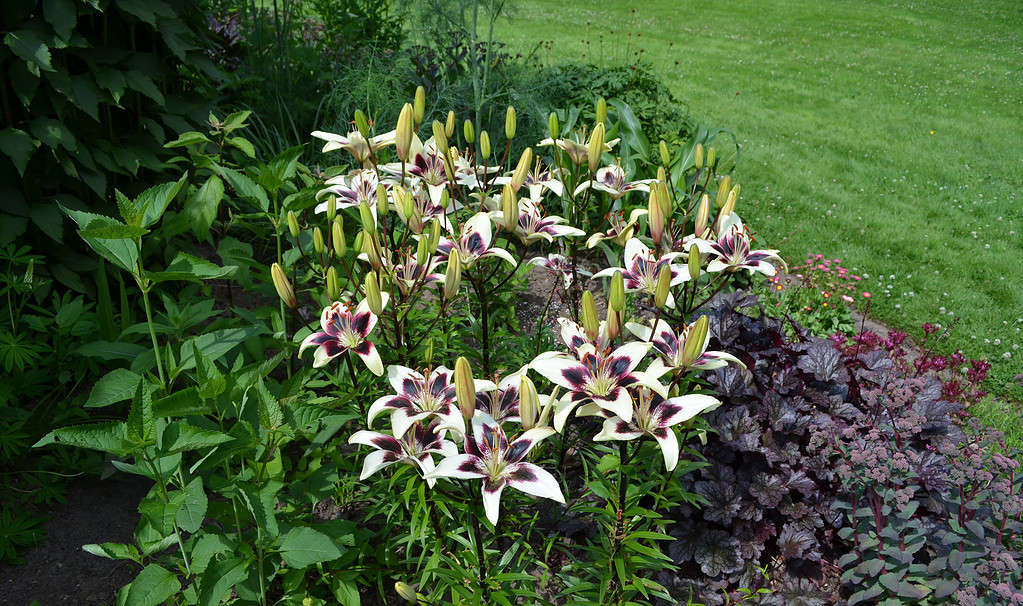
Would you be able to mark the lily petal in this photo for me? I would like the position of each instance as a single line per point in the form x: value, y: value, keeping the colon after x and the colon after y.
x: 534, y: 480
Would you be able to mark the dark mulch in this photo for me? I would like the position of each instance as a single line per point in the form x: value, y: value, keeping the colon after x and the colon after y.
x: 58, y: 571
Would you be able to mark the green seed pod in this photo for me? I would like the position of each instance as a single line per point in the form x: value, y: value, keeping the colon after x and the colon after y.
x: 283, y: 286
x: 529, y: 402
x: 485, y: 145
x: 403, y: 133
x: 366, y: 215
x: 419, y: 105
x: 522, y: 168
x: 694, y: 263
x: 362, y: 123
x: 698, y: 156
x: 465, y: 390
x: 373, y: 298
x: 617, y: 299
x: 453, y: 275
x: 293, y: 224
x: 440, y: 138
x: 601, y: 110
x: 333, y: 286
x: 665, y: 155
x: 509, y: 207
x: 509, y: 123
x: 382, y: 204
x: 663, y: 287
x: 553, y: 125
x: 596, y: 146
x: 337, y: 237
x: 468, y: 132
x: 318, y: 243
x: 591, y: 321
x: 695, y: 341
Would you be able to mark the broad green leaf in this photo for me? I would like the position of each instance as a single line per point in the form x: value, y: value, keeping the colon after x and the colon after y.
x: 107, y: 436
x: 215, y: 344
x: 114, y: 551
x: 86, y: 95
x: 141, y: 424
x: 180, y: 436
x: 104, y: 229
x: 18, y: 146
x: 245, y: 187
x: 54, y: 134
x: 271, y: 416
x: 146, y: 10
x: 188, y: 138
x: 303, y: 546
x: 346, y: 593
x: 110, y: 350
x: 201, y: 207
x: 47, y: 217
x: 116, y: 386
x: 218, y: 579
x: 112, y: 80
x: 144, y: 84
x: 236, y: 120
x: 24, y: 82
x: 153, y: 586
x: 261, y: 503
x: 193, y: 509
x: 206, y: 547
x: 31, y: 49
x: 123, y: 253
x: 191, y: 269
x: 181, y: 403
x: 155, y: 200
x: 211, y: 382
x: 160, y: 514
x: 243, y: 144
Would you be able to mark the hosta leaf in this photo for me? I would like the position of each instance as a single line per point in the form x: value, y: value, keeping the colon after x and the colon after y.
x: 18, y: 146
x: 303, y: 546
x: 153, y: 586
x: 115, y: 386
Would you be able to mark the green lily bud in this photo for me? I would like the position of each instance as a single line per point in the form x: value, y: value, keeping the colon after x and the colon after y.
x: 453, y: 275
x: 617, y: 299
x: 522, y: 168
x: 663, y: 287
x: 485, y: 145
x: 333, y: 286
x: 357, y: 245
x: 702, y: 216
x: 407, y: 592
x: 662, y: 175
x: 318, y: 244
x: 382, y: 204
x: 440, y: 138
x: 434, y: 235
x: 292, y: 224
x: 601, y: 110
x: 428, y: 354
x: 692, y: 349
x: 449, y: 125
x: 694, y: 263
x: 373, y: 298
x: 331, y: 208
x: 403, y: 133
x: 362, y: 123
x: 655, y: 214
x: 529, y: 402
x: 665, y: 155
x: 422, y: 252
x: 509, y: 207
x: 553, y: 126
x: 591, y: 322
x: 613, y: 324
x: 366, y: 215
x: 403, y: 202
x: 733, y: 197
x: 371, y: 247
x: 419, y: 105
x: 665, y: 199
x: 723, y: 188
x: 468, y: 132
x: 712, y: 158
x: 509, y: 123
x: 596, y: 146
x: 337, y: 237
x: 698, y: 156
x: 445, y: 199
x: 465, y: 390
x: 283, y: 286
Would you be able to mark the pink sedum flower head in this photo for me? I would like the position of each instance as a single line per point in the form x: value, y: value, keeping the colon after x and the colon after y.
x: 490, y: 457
x: 416, y: 447
x: 345, y: 329
x: 654, y: 416
x: 362, y: 149
x: 731, y: 251
x: 642, y: 268
x: 534, y: 224
x: 611, y: 179
x: 475, y: 241
x: 669, y: 346
x: 560, y: 265
x: 620, y: 230
x: 418, y: 397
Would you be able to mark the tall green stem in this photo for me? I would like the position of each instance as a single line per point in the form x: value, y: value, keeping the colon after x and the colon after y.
x: 152, y: 333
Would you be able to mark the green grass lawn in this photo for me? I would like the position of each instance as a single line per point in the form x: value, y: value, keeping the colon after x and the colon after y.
x: 886, y: 134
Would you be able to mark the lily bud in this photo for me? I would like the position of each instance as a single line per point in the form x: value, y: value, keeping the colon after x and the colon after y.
x: 702, y: 216
x: 422, y: 252
x: 614, y: 324
x: 453, y: 275
x: 333, y: 286
x: 407, y: 592
x: 730, y: 202
x: 663, y: 287
x: 694, y: 263
x: 382, y: 205
x: 509, y: 123
x: 522, y: 168
x: 318, y: 244
x: 468, y: 132
x: 665, y: 154
x: 403, y: 202
x: 591, y: 322
x: 372, y: 249
x: 485, y: 145
x: 712, y: 158
x: 419, y: 107
x: 445, y: 199
x: 601, y: 110
x: 509, y: 207
x: 373, y: 298
x: 428, y: 354
x: 357, y: 245
x: 434, y: 235
x: 665, y: 199
x: 698, y: 156
x: 465, y: 391
x: 440, y: 138
x: 662, y: 175
x: 449, y: 125
x: 596, y: 146
x: 553, y: 126
x: 692, y: 349
x: 723, y: 188
x: 655, y: 214
x: 403, y: 133
x: 368, y: 223
x: 617, y: 299
x: 292, y: 224
x: 283, y: 286
x: 331, y: 208
x: 362, y: 123
x: 529, y: 403
x: 337, y: 237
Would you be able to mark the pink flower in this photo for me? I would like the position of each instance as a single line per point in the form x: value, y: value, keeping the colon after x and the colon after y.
x: 866, y: 295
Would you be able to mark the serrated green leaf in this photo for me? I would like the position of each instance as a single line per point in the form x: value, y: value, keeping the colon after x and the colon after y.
x: 271, y: 416
x: 113, y: 551
x: 218, y: 579
x: 62, y: 15
x: 215, y: 344
x: 107, y: 436
x: 156, y: 199
x: 191, y: 269
x: 201, y: 207
x: 211, y: 382
x: 261, y: 503
x: 54, y: 134
x: 153, y: 586
x: 109, y: 229
x: 19, y: 146
x: 243, y: 144
x: 206, y: 547
x: 304, y: 546
x: 142, y: 83
x: 141, y: 424
x: 245, y: 187
x: 193, y: 510
x: 180, y: 436
x: 181, y: 403
x: 86, y: 95
x: 188, y: 138
x: 112, y: 80
x: 123, y: 253
x: 31, y: 49
x: 115, y: 386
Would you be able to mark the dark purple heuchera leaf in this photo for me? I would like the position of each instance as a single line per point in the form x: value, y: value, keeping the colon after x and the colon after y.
x: 768, y: 489
x: 822, y: 360
x: 793, y: 591
x: 796, y: 542
x: 730, y: 382
x: 723, y: 499
x: 738, y: 429
x: 798, y: 480
x: 718, y: 553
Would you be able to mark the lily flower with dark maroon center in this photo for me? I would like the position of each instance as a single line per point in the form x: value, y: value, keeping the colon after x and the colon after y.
x: 534, y: 224
x: 408, y: 273
x: 603, y: 378
x: 732, y: 250
x: 642, y: 269
x: 361, y: 148
x: 345, y: 329
x: 575, y: 337
x: 561, y: 265
x: 620, y: 230
x: 428, y: 165
x: 670, y: 349
x: 537, y: 180
x: 474, y: 243
x: 416, y: 447
x: 424, y: 209
x: 418, y: 397
x: 502, y: 404
x: 489, y: 456
x: 352, y: 190
x: 611, y: 179
x: 654, y: 416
